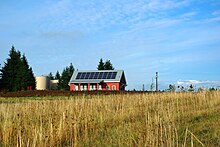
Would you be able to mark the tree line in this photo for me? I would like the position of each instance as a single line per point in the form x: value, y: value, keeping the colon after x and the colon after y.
x: 64, y: 78
x: 16, y: 74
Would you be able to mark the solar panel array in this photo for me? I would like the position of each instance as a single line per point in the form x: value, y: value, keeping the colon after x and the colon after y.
x: 96, y: 75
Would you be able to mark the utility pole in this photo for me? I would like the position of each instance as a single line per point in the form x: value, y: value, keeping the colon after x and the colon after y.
x: 143, y: 88
x: 156, y: 81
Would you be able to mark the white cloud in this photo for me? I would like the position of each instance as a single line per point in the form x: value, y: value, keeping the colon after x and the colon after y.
x: 63, y: 34
x: 213, y: 19
x: 188, y: 14
x: 155, y: 5
x: 197, y: 82
x: 216, y: 13
x: 95, y: 15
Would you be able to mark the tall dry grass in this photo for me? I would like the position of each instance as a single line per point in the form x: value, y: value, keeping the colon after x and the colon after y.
x: 161, y: 119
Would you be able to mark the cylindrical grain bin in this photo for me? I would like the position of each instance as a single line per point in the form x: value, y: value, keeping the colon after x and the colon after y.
x: 54, y: 84
x: 42, y: 83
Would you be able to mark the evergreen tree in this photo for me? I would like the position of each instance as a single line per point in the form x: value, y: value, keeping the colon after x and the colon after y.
x: 31, y: 81
x: 108, y: 65
x: 57, y: 76
x: 65, y: 78
x: 16, y: 74
x: 10, y: 71
x: 101, y: 65
x: 50, y: 75
x: 70, y: 70
x: 23, y: 73
x: 172, y: 87
x: 105, y: 66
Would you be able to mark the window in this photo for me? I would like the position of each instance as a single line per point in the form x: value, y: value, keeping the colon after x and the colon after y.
x: 90, y: 88
x: 100, y: 87
x: 85, y: 87
x: 81, y: 87
x: 113, y: 87
x: 76, y: 87
x: 94, y: 87
x: 107, y: 88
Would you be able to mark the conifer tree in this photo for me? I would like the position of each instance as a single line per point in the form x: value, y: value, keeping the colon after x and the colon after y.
x: 31, y: 81
x: 105, y: 66
x: 57, y: 76
x: 16, y: 73
x: 50, y: 76
x: 108, y: 65
x: 101, y: 65
x: 65, y: 78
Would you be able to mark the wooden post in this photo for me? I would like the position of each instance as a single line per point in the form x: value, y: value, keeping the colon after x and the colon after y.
x: 88, y: 86
x: 79, y: 89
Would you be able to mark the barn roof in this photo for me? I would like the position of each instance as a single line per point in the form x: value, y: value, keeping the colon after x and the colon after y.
x: 97, y: 76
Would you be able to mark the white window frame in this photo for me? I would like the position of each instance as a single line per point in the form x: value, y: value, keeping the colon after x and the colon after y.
x: 81, y: 87
x: 76, y: 88
x: 90, y: 87
x: 94, y: 87
x: 85, y: 87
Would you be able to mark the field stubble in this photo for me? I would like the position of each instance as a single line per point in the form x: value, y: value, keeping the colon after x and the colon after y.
x: 158, y: 119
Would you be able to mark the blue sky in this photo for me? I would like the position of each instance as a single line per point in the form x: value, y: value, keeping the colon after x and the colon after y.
x: 179, y: 39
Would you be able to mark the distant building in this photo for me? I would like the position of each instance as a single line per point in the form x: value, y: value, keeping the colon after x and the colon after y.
x: 54, y: 84
x: 44, y: 83
x: 98, y: 80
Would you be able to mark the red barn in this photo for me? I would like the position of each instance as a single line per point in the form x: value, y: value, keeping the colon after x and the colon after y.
x: 97, y: 80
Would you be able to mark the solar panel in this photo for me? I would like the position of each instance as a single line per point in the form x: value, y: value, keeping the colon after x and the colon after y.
x: 91, y: 75
x: 114, y: 75
x: 96, y: 75
x: 100, y: 75
x: 109, y: 75
x: 78, y: 75
x: 83, y: 75
x: 104, y: 75
x: 87, y: 75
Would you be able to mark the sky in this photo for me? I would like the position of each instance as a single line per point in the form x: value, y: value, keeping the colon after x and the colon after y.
x: 178, y: 38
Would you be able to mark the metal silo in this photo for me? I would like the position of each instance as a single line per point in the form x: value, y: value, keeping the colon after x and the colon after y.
x: 42, y: 83
x: 54, y: 84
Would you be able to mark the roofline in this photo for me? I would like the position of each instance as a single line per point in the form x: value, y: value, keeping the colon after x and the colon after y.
x: 116, y: 80
x: 97, y: 70
x: 93, y: 82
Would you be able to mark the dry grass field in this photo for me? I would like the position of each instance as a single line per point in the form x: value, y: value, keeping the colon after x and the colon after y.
x: 157, y: 119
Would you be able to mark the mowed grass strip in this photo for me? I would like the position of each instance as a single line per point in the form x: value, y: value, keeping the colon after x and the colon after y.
x: 163, y: 119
